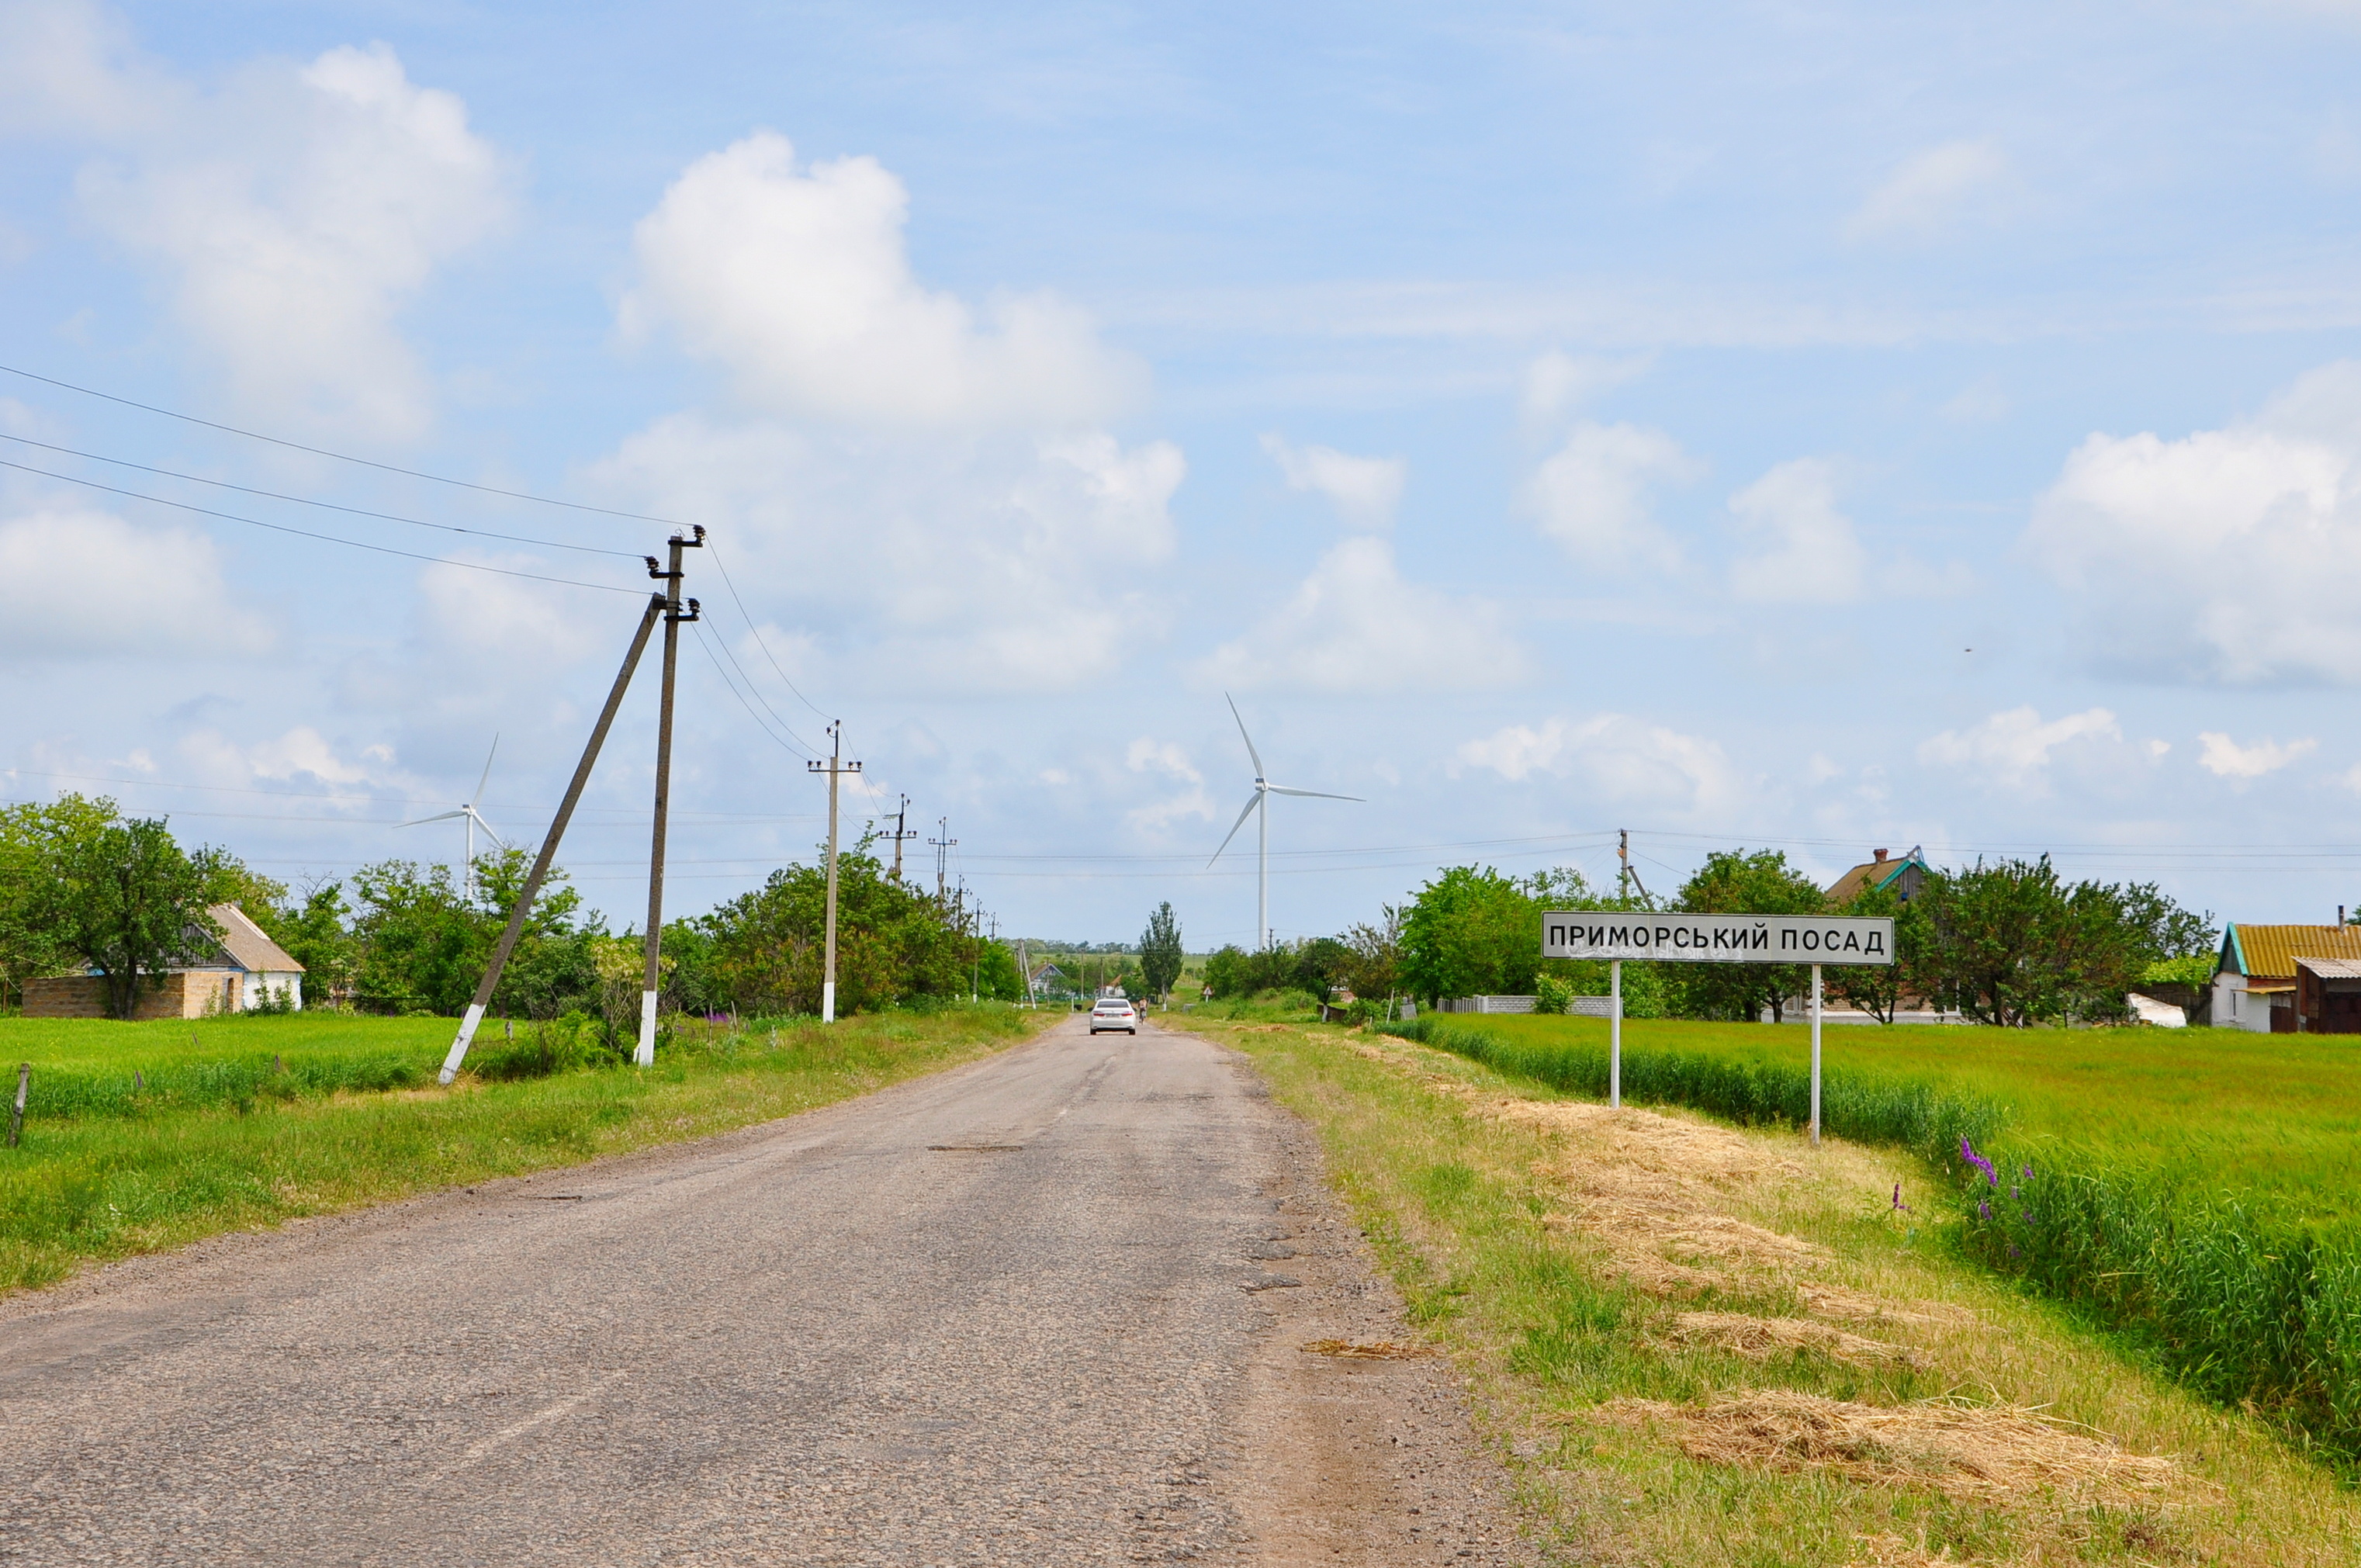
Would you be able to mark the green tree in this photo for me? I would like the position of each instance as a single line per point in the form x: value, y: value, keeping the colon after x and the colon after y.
x: 312, y: 932
x: 1879, y: 989
x: 1471, y: 932
x: 1732, y: 881
x: 1373, y: 968
x: 893, y: 942
x: 1160, y: 954
x: 32, y: 834
x: 123, y: 899
x: 2018, y: 945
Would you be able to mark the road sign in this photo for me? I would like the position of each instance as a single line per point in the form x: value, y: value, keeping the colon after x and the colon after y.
x: 1813, y: 939
x: 1718, y: 939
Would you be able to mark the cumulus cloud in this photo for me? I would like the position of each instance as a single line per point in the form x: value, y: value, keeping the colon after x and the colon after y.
x: 1003, y: 566
x: 300, y: 755
x: 1804, y: 551
x: 1355, y: 624
x: 796, y: 278
x: 291, y: 213
x: 1592, y: 496
x: 1363, y: 490
x: 2013, y: 750
x: 2225, y: 758
x: 162, y: 589
x: 1557, y: 383
x: 1935, y: 191
x: 1147, y: 755
x: 2230, y: 554
x: 1616, y: 759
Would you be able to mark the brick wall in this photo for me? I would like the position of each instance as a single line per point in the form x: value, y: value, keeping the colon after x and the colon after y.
x: 190, y: 993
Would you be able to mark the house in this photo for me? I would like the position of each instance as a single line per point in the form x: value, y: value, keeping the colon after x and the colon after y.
x: 2255, y: 979
x: 231, y: 974
x: 1905, y: 876
x: 2328, y: 996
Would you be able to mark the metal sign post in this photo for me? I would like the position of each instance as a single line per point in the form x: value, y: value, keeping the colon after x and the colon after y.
x: 1615, y: 936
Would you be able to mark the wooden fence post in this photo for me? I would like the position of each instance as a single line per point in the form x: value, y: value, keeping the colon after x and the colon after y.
x: 16, y: 1116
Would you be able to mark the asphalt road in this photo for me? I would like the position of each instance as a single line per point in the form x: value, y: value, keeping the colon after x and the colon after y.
x: 1038, y: 1309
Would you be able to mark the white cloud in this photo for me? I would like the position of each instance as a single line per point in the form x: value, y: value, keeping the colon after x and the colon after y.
x: 1805, y: 550
x: 1557, y: 383
x: 797, y: 280
x: 1616, y: 758
x: 2013, y: 750
x: 1980, y: 402
x: 1148, y: 755
x: 1000, y: 565
x: 1592, y: 496
x: 507, y: 624
x: 1935, y: 191
x: 1356, y: 625
x: 302, y: 754
x: 2225, y: 758
x: 293, y: 212
x: 1363, y: 490
x: 163, y: 590
x: 2230, y: 554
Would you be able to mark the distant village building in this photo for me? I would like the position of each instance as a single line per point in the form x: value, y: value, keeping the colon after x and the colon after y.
x: 2256, y: 980
x: 1905, y: 876
x: 233, y: 974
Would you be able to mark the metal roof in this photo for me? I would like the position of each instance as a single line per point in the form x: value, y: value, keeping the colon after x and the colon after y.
x: 2273, y: 949
x: 1872, y: 874
x: 2332, y: 969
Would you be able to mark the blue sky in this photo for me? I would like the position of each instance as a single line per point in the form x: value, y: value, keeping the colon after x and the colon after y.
x: 1817, y: 426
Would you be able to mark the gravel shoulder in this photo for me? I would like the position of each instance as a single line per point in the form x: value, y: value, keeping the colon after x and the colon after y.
x: 1045, y: 1307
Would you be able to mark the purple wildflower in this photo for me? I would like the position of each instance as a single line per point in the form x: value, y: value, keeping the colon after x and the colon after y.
x: 2028, y: 1173
x: 1968, y: 1153
x: 2016, y: 1193
x: 1983, y: 1208
x: 2014, y: 1253
x: 1899, y: 1205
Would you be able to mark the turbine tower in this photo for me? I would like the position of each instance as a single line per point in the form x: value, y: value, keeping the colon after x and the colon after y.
x: 1264, y: 790
x: 475, y: 819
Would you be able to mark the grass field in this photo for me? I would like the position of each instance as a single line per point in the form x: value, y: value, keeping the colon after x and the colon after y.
x: 1701, y: 1346
x: 2272, y: 1119
x: 2182, y: 1188
x: 139, y: 1137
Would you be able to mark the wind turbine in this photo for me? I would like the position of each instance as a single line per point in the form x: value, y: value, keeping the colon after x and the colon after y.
x: 475, y: 819
x: 1264, y: 790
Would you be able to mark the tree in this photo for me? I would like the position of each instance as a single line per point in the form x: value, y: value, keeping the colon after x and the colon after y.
x: 2019, y: 946
x: 1732, y: 881
x: 123, y: 898
x: 1375, y: 962
x: 31, y: 834
x: 1160, y: 954
x: 1878, y: 989
x: 1468, y: 933
x: 893, y: 942
x: 312, y: 932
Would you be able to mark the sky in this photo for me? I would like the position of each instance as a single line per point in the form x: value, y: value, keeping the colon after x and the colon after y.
x: 1816, y: 427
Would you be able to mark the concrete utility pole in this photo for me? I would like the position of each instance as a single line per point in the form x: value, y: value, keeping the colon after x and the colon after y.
x: 1626, y: 878
x: 508, y: 941
x: 835, y: 768
x: 942, y: 860
x: 674, y: 615
x: 901, y: 835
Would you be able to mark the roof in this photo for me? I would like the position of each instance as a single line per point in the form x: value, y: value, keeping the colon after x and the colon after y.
x: 246, y: 945
x: 2273, y: 949
x: 2332, y: 969
x: 1872, y: 874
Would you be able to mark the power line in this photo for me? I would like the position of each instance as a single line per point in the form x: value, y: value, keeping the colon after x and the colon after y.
x: 748, y: 615
x: 341, y: 456
x: 307, y: 533
x: 328, y: 506
x: 768, y: 733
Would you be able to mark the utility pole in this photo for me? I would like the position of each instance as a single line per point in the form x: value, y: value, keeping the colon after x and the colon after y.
x: 533, y: 880
x: 1626, y: 878
x: 835, y: 768
x: 902, y: 833
x: 942, y: 860
x: 674, y: 616
x: 1025, y: 968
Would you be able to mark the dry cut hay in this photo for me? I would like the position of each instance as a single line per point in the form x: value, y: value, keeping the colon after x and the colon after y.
x: 1374, y: 1350
x: 1985, y: 1453
x: 1858, y: 1307
x: 1758, y: 1339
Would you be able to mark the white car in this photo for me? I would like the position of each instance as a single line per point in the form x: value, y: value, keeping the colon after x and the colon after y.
x: 1115, y: 1013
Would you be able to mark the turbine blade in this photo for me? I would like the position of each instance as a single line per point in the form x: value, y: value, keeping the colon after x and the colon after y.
x: 441, y: 817
x: 490, y: 832
x: 478, y: 798
x: 1243, y: 736
x: 1241, y: 822
x: 1311, y: 793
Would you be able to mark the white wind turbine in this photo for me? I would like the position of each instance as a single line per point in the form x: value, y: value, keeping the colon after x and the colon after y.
x: 475, y: 819
x: 1264, y: 790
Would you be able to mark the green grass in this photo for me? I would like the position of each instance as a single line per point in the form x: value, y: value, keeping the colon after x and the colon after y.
x: 2193, y: 1190
x: 1460, y: 1202
x: 217, y: 1138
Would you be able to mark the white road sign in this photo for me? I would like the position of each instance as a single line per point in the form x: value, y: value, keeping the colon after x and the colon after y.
x: 1718, y: 939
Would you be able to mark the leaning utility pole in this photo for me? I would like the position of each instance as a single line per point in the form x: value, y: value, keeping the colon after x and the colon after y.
x: 834, y: 767
x: 1626, y: 877
x: 508, y: 941
x: 902, y: 833
x: 674, y: 615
